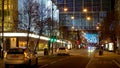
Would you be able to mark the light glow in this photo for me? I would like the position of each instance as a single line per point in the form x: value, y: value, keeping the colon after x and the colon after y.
x: 72, y: 17
x: 30, y: 35
x: 111, y: 47
x: 65, y: 9
x: 24, y: 35
x: 88, y: 18
x: 85, y: 10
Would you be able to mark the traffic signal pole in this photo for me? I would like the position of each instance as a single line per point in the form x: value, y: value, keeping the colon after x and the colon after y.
x: 52, y: 40
x: 52, y: 27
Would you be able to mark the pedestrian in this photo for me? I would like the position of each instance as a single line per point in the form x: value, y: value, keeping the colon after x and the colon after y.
x: 0, y: 51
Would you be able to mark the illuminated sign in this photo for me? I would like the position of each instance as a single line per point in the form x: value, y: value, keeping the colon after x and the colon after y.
x: 91, y: 38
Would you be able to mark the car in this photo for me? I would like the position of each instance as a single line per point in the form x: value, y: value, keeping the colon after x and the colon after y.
x: 62, y: 51
x: 20, y: 56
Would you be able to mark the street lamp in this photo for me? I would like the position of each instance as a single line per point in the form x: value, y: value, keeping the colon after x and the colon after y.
x: 88, y: 18
x: 72, y: 17
x: 85, y: 10
x: 65, y: 9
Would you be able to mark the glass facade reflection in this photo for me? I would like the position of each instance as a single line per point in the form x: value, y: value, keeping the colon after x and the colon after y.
x: 96, y: 9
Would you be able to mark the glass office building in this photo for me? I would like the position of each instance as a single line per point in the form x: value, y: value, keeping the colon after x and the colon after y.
x: 10, y: 15
x: 82, y: 21
x: 96, y: 10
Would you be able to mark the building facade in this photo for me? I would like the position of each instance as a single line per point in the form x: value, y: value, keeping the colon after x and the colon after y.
x: 117, y: 9
x: 39, y: 17
x: 96, y: 11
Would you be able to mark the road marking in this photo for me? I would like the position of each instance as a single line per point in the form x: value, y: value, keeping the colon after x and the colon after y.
x: 43, y: 66
x: 53, y: 62
x: 89, y: 63
x: 116, y: 63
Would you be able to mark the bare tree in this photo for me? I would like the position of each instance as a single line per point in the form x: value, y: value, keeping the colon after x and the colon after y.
x: 28, y: 4
x: 34, y: 18
x: 27, y: 16
x: 40, y: 20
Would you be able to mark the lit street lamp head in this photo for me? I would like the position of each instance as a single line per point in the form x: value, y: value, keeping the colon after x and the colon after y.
x: 84, y: 10
x: 65, y: 9
x: 72, y: 17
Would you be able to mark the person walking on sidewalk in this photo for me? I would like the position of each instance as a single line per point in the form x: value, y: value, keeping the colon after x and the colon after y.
x: 0, y: 51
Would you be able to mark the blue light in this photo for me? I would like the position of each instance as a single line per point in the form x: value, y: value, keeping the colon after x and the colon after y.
x: 91, y: 38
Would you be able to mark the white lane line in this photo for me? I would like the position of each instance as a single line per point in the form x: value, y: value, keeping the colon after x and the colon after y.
x: 43, y: 66
x: 88, y: 63
x: 116, y: 63
x: 53, y: 62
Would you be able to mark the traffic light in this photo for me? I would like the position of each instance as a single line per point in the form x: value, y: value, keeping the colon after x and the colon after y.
x: 53, y: 39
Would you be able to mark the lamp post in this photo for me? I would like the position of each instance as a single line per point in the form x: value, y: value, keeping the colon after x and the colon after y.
x: 72, y: 17
x: 65, y: 11
x: 2, y: 44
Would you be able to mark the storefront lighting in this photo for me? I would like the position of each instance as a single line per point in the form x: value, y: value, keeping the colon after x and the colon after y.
x: 30, y: 35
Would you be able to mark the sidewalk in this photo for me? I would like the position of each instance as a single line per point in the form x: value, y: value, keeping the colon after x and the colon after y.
x: 115, y: 56
x: 106, y: 54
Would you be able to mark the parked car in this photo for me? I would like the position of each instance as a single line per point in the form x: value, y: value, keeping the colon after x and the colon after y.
x: 20, y: 56
x: 62, y: 51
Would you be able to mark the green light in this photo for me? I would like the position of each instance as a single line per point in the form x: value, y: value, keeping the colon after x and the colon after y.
x: 53, y: 39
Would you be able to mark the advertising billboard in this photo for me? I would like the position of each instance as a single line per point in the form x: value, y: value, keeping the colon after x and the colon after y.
x: 91, y: 37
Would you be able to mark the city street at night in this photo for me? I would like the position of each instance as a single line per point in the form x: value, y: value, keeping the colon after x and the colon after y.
x: 78, y: 58
x: 59, y: 33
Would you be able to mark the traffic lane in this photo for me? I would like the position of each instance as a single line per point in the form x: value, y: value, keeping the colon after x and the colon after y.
x: 42, y: 61
x: 102, y: 62
x: 50, y: 59
x: 69, y: 62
